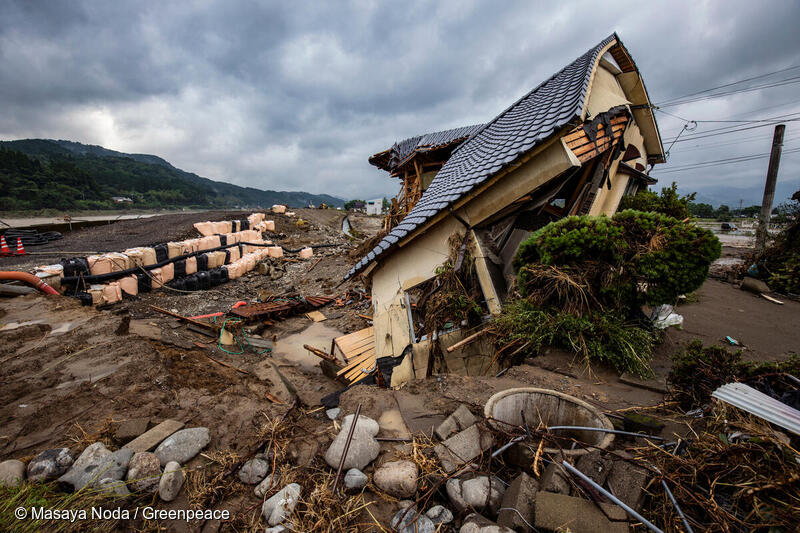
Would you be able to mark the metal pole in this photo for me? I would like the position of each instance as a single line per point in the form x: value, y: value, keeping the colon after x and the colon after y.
x: 611, y: 497
x: 346, y: 448
x: 769, y: 187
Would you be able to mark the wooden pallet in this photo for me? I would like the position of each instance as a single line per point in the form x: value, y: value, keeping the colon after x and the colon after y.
x: 358, y: 349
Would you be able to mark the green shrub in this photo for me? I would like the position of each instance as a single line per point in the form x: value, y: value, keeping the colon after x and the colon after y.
x: 668, y: 203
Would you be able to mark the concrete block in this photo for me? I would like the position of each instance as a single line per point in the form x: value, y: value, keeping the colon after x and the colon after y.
x: 463, y: 447
x: 627, y: 483
x: 460, y: 420
x: 754, y: 285
x: 152, y: 438
x: 594, y: 465
x: 554, y: 480
x: 521, y: 496
x: 557, y: 512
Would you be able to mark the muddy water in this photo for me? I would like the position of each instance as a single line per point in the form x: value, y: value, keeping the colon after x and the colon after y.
x: 317, y: 335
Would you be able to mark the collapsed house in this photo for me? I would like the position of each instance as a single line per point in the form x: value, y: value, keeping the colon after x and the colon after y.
x: 574, y: 145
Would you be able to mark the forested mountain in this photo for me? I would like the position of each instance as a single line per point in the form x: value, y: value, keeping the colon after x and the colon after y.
x: 42, y: 173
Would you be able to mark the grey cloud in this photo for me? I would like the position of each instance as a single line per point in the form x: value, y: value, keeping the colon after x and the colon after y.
x: 298, y: 95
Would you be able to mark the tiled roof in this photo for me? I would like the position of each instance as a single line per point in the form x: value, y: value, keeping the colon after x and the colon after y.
x: 530, y: 120
x: 400, y: 151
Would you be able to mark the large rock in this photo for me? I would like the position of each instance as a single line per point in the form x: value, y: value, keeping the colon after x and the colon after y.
x: 278, y: 508
x: 254, y: 471
x: 627, y: 483
x: 113, y: 487
x: 398, y: 478
x: 97, y: 463
x: 519, y: 504
x: 144, y: 472
x: 408, y: 521
x: 49, y: 464
x: 363, y: 448
x: 12, y: 473
x: 266, y: 485
x: 171, y: 482
x: 483, y: 493
x: 183, y: 445
x: 355, y: 479
x: 439, y: 515
x: 476, y: 492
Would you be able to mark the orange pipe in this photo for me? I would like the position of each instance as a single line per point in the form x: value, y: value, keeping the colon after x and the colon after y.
x: 30, y: 279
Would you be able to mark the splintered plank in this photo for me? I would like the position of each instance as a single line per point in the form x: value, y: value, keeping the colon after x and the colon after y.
x: 346, y: 342
x: 153, y: 437
x: 356, y: 361
x: 367, y: 363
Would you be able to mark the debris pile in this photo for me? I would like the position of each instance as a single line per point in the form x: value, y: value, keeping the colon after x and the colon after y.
x: 779, y: 264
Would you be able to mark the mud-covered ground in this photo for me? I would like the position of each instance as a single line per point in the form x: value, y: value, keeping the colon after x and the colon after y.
x: 70, y: 375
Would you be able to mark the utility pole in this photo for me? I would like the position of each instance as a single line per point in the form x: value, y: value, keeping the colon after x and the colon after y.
x: 769, y: 188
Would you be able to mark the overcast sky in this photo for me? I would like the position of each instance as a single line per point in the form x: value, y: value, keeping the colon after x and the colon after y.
x: 297, y: 95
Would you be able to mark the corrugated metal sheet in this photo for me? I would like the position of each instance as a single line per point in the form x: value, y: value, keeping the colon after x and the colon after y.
x: 749, y: 399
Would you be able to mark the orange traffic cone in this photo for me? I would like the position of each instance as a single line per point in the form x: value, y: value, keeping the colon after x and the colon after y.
x: 20, y: 248
x: 4, y: 250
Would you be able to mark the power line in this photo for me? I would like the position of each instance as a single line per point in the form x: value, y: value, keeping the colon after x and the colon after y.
x: 720, y: 162
x: 733, y: 143
x: 724, y: 130
x: 731, y: 84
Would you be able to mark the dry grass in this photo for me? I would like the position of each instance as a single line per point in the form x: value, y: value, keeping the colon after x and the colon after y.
x: 737, y: 474
x: 552, y: 286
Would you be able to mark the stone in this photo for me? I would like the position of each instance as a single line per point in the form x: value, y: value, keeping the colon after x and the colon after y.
x: 12, y: 473
x: 557, y: 512
x: 266, y: 485
x: 355, y: 479
x: 333, y: 414
x: 461, y: 419
x: 519, y: 504
x: 453, y: 488
x: 439, y: 514
x: 144, y: 472
x: 171, y: 481
x: 475, y: 523
x: 304, y: 452
x: 595, y: 466
x: 97, y: 463
x: 131, y: 428
x: 554, y: 480
x: 398, y: 478
x: 277, y: 529
x: 113, y: 487
x: 754, y: 285
x: 254, y: 471
x: 463, y: 447
x: 483, y: 493
x: 183, y: 445
x: 49, y: 464
x: 407, y: 520
x: 627, y: 482
x: 151, y: 438
x: 363, y: 448
x: 278, y: 508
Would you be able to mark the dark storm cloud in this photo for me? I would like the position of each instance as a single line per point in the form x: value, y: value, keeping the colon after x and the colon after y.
x: 298, y: 95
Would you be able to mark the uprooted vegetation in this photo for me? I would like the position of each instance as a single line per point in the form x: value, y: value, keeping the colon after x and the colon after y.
x: 779, y: 264
x: 582, y: 282
x: 699, y: 370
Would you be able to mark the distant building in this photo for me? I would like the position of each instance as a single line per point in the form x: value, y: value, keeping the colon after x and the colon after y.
x: 122, y: 200
x: 375, y: 207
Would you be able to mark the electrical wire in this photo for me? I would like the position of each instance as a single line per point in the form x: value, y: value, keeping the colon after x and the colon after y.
x: 780, y: 83
x: 719, y: 162
x: 732, y: 83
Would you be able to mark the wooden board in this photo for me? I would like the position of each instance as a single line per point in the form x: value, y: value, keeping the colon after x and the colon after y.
x: 358, y: 349
x: 316, y: 316
x: 356, y: 361
x: 346, y: 342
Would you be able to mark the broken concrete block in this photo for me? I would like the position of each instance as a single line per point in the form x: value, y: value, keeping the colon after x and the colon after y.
x: 306, y: 253
x: 627, y: 483
x: 151, y: 439
x: 460, y: 420
x: 595, y: 466
x: 12, y: 473
x: 463, y: 447
x: 554, y: 480
x: 557, y: 512
x: 519, y: 504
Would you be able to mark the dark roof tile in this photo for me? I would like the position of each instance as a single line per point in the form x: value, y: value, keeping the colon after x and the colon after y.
x: 493, y: 146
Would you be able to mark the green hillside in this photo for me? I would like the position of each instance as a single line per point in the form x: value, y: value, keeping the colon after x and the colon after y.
x: 46, y: 174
